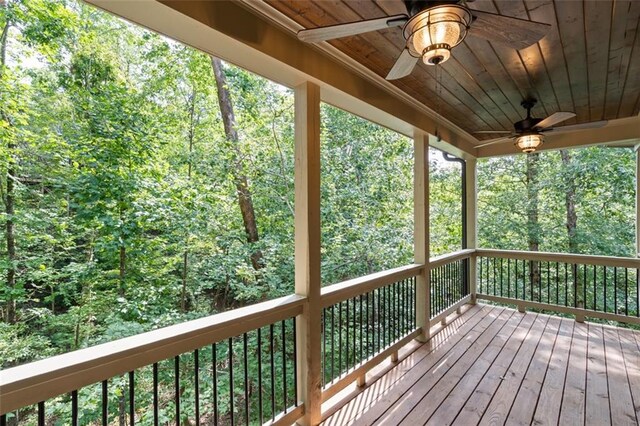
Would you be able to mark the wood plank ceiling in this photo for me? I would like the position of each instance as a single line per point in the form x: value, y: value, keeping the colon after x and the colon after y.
x: 589, y: 62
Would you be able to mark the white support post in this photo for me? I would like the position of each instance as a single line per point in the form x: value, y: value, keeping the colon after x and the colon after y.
x: 307, y: 249
x: 421, y: 231
x: 472, y: 223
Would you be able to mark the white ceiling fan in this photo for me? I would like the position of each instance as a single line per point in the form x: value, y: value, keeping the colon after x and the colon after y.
x: 432, y: 28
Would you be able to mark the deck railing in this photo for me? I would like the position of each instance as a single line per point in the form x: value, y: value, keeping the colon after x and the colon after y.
x: 449, y: 282
x: 242, y: 366
x: 586, y: 286
x: 213, y: 362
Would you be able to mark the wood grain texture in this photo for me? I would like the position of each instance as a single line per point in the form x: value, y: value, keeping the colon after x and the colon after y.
x: 503, y: 367
x: 588, y: 62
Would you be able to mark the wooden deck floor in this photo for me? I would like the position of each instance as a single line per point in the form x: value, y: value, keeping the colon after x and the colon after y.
x: 495, y: 366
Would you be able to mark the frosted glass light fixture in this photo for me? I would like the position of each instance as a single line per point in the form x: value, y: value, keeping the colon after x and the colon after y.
x: 529, y: 143
x: 433, y: 32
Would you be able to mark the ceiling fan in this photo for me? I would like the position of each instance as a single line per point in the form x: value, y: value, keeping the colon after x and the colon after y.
x: 432, y: 28
x: 528, y: 133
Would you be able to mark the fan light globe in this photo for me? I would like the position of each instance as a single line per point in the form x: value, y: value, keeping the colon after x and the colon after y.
x: 529, y: 143
x: 432, y: 33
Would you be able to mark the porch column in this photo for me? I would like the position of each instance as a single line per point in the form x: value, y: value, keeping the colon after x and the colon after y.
x: 472, y: 222
x: 421, y: 231
x: 307, y: 248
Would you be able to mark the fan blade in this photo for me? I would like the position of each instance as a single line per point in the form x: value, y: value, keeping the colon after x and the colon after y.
x: 403, y: 66
x: 494, y: 141
x: 513, y: 32
x: 592, y: 125
x: 555, y: 118
x: 330, y: 32
x: 493, y: 132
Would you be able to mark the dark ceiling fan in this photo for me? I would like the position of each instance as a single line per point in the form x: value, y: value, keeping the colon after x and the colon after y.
x: 432, y: 28
x: 528, y: 133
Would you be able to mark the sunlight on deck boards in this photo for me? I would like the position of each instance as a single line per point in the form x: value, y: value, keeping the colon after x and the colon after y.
x: 494, y: 366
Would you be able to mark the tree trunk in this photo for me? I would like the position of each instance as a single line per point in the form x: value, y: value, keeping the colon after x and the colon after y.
x: 572, y: 219
x: 185, y: 255
x: 240, y: 178
x: 533, y: 224
x: 9, y: 200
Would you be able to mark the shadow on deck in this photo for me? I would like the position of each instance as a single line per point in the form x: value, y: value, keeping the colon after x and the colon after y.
x: 494, y: 365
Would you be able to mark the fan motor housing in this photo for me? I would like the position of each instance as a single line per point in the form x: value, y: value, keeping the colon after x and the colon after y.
x: 526, y: 125
x: 416, y: 6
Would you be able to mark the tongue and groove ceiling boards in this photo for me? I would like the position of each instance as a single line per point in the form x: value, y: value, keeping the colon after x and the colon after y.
x: 588, y: 63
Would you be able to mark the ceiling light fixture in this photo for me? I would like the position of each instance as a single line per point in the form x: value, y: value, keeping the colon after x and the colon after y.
x: 530, y: 142
x: 432, y: 33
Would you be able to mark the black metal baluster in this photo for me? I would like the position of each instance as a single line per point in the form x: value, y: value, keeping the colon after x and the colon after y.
x: 361, y: 330
x: 501, y: 280
x: 575, y: 285
x: 509, y: 278
x: 155, y: 394
x: 105, y: 404
x: 557, y: 283
x: 626, y: 291
x: 177, y: 386
x: 333, y: 349
x: 273, y: 375
x: 132, y: 403
x: 480, y: 268
x: 378, y: 320
x: 516, y: 274
x: 539, y: 269
x: 355, y: 340
x: 604, y: 298
x: 245, y: 351
x: 340, y: 351
x: 387, y: 305
x: 295, y: 361
x: 594, y: 287
x: 196, y: 379
x: 548, y: 283
x: 284, y: 366
x: 232, y: 395
x: 615, y: 290
x: 368, y: 322
x: 214, y: 378
x: 347, y: 330
x: 41, y: 414
x: 74, y: 408
x: 260, y: 412
x: 566, y: 284
x: 323, y: 359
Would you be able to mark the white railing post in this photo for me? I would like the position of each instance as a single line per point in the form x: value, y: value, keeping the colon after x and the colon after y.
x: 421, y: 231
x: 307, y: 249
x: 472, y: 223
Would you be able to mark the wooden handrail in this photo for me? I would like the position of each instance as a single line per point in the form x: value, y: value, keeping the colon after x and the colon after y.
x: 38, y: 381
x: 582, y: 259
x: 444, y: 259
x: 345, y: 290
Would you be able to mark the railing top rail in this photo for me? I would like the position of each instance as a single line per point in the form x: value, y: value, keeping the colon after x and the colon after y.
x: 337, y: 293
x: 37, y: 381
x: 583, y: 259
x: 434, y: 262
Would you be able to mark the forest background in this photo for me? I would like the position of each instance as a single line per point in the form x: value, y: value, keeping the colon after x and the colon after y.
x: 144, y: 183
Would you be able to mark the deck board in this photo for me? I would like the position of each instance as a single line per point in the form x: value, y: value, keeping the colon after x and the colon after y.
x: 497, y: 366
